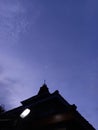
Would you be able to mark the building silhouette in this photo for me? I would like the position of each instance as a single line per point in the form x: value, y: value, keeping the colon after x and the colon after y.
x: 47, y: 111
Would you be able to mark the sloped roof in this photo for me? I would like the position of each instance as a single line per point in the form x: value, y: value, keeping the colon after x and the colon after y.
x: 45, y: 104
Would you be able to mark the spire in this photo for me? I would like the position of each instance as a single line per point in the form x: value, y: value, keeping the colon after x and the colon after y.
x: 44, y: 81
x: 43, y: 89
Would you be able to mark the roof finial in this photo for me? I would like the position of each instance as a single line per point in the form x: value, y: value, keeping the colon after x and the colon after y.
x: 44, y: 81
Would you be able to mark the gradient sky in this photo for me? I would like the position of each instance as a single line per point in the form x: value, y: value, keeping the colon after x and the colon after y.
x: 52, y: 40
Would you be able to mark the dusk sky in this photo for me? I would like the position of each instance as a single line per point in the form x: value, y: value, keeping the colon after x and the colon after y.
x: 52, y: 40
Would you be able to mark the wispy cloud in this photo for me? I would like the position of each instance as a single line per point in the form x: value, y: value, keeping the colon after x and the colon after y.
x: 7, y: 88
x: 16, y: 80
x: 12, y: 20
x: 15, y: 19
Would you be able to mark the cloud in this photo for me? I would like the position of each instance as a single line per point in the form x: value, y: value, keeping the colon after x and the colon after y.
x: 15, y: 19
x: 9, y: 90
x: 16, y: 79
x: 10, y: 8
x: 9, y: 81
x: 4, y: 93
x: 12, y: 20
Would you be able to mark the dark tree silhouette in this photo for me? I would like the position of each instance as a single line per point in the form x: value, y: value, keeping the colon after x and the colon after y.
x: 2, y: 109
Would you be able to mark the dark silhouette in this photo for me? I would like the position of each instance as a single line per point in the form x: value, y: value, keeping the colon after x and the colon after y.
x: 2, y: 109
x: 47, y: 111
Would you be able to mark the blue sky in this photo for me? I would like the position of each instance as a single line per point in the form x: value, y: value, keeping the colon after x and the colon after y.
x: 54, y: 41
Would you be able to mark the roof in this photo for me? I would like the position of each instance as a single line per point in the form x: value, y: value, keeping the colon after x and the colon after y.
x: 45, y: 104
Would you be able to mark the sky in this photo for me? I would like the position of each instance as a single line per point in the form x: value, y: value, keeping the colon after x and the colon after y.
x: 52, y: 40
